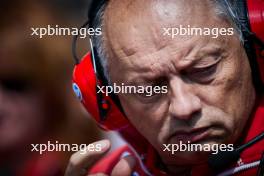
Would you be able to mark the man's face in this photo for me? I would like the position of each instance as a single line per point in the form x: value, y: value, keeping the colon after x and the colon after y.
x: 210, y: 92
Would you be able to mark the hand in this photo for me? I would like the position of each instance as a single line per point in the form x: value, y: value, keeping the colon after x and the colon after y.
x: 80, y: 163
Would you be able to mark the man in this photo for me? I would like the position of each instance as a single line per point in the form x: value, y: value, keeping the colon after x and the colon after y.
x: 211, y: 97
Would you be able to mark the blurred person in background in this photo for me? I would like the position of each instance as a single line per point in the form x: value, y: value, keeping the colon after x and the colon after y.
x: 35, y: 103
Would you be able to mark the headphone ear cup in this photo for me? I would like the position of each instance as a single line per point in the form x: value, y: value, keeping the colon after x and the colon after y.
x: 256, y: 20
x: 84, y: 86
x: 256, y: 16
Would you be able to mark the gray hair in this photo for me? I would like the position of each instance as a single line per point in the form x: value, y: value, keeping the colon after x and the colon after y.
x: 98, y: 41
x: 225, y: 9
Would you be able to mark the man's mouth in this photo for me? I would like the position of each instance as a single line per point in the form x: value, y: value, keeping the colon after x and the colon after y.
x: 192, y: 136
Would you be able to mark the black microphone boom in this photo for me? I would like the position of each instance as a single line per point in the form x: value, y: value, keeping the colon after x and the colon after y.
x: 223, y: 159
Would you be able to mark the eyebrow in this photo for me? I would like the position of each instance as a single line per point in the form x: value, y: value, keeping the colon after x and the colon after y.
x: 148, y: 78
x: 209, y: 51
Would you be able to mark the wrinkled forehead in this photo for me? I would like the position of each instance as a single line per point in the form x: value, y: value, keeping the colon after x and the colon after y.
x: 136, y: 28
x: 163, y: 9
x: 130, y: 24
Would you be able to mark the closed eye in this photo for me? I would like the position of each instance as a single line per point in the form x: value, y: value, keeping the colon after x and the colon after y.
x: 203, y: 75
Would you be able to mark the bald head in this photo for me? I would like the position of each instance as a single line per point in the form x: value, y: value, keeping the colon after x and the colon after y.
x: 126, y: 23
x: 114, y: 14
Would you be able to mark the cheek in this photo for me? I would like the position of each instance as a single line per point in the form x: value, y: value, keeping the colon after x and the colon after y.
x: 147, y: 119
x: 235, y: 88
x: 232, y: 92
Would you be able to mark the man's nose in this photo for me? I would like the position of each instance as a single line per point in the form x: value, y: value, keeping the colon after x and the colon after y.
x: 184, y: 103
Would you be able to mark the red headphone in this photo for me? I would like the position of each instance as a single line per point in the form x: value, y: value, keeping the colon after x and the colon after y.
x: 107, y: 111
x: 256, y: 19
x: 102, y: 108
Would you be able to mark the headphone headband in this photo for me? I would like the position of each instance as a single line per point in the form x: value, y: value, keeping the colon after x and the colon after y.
x: 93, y: 9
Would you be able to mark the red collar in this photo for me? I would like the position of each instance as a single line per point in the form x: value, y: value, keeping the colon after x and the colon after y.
x: 254, y: 128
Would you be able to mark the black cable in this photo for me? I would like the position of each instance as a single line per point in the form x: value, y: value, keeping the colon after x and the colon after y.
x: 251, y: 142
x: 74, y: 43
x: 261, y: 166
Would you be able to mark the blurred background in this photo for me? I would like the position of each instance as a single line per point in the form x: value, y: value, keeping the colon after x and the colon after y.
x: 36, y: 101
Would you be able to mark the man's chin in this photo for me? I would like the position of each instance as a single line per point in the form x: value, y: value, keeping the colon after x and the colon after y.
x: 188, y: 158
